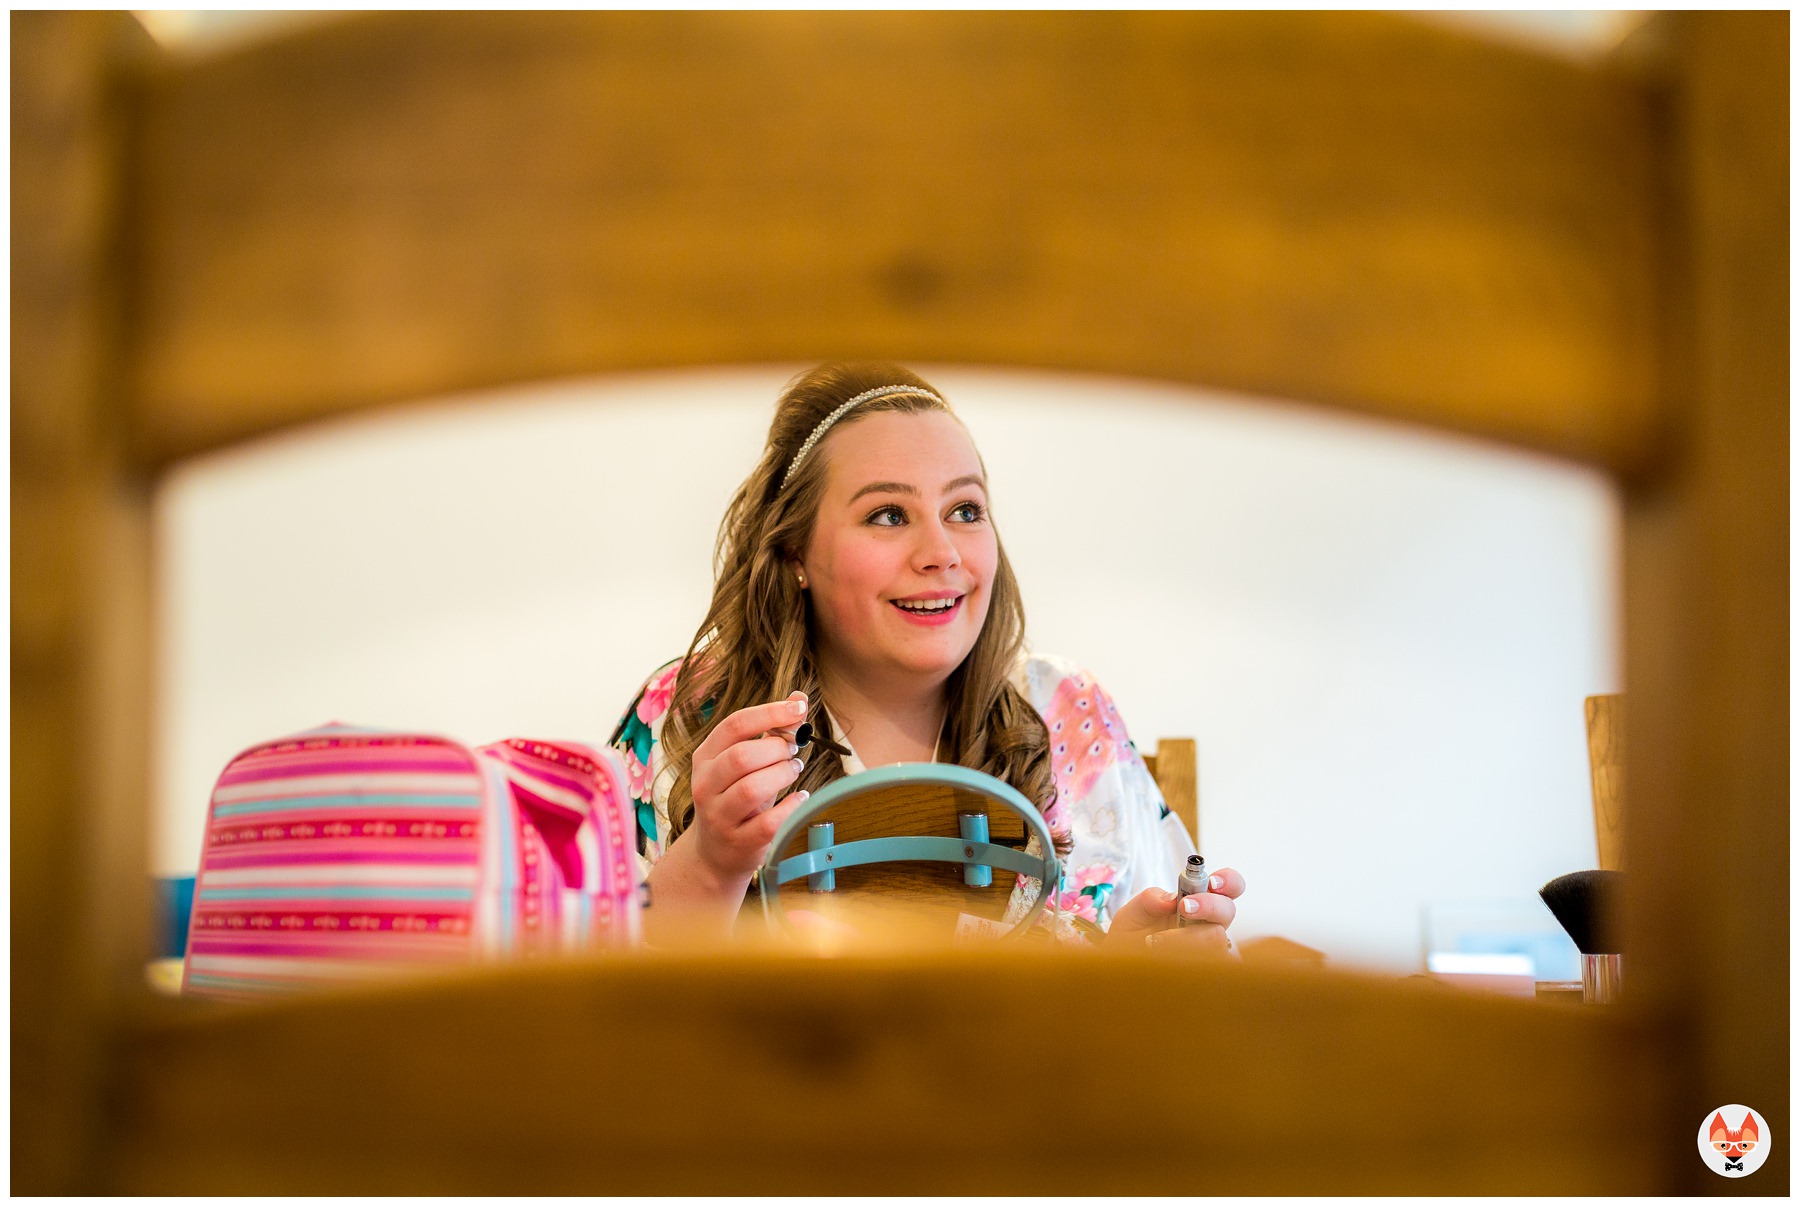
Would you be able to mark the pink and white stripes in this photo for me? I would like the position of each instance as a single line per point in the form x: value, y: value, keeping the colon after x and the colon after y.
x: 343, y: 853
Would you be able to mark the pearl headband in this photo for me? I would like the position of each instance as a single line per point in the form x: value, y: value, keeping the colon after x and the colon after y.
x: 818, y: 433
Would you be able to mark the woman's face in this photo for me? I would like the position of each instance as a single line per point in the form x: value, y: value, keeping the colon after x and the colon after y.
x: 902, y: 555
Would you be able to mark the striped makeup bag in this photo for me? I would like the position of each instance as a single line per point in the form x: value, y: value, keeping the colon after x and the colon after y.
x: 343, y: 853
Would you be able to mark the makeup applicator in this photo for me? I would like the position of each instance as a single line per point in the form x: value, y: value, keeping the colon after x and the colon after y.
x: 806, y: 736
x: 1586, y: 904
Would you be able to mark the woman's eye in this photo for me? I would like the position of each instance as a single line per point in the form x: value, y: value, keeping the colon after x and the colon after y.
x: 969, y: 513
x: 887, y: 517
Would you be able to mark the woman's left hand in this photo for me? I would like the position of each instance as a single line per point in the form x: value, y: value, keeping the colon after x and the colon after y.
x: 1150, y: 917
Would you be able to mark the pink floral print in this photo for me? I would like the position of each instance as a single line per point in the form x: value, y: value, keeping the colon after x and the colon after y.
x: 1093, y: 875
x: 657, y: 694
x: 1079, y: 905
x: 638, y: 775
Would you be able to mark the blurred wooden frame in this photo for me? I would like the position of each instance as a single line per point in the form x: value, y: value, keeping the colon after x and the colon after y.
x: 1606, y: 767
x: 1354, y: 209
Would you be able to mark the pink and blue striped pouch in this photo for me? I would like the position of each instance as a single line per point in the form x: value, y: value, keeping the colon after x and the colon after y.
x: 343, y: 853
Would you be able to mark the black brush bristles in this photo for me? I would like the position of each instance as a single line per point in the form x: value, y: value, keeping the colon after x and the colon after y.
x: 1587, y: 905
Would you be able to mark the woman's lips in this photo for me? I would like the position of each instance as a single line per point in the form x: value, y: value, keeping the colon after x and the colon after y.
x: 936, y: 617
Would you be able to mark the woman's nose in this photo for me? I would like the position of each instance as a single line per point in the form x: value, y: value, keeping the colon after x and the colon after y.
x: 935, y: 550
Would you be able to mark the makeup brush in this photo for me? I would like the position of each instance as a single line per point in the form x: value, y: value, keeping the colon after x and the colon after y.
x: 1586, y: 904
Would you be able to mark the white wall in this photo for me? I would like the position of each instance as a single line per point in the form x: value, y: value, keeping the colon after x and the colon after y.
x: 1381, y: 637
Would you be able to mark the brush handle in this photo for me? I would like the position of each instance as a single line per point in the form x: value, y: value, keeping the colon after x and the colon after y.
x: 1600, y: 979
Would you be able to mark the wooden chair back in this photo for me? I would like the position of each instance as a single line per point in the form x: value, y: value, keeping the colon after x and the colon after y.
x: 1174, y: 766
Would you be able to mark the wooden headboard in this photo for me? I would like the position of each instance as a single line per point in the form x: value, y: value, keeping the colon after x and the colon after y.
x: 1357, y: 210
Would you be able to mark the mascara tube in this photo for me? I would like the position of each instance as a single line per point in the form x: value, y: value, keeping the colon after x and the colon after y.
x: 1193, y: 880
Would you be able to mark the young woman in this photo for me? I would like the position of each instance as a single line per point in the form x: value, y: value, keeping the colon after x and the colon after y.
x: 861, y: 587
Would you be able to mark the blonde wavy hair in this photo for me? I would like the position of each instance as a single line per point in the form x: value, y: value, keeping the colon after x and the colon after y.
x: 757, y: 643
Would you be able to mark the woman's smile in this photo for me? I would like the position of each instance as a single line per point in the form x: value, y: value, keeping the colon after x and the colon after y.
x: 929, y: 609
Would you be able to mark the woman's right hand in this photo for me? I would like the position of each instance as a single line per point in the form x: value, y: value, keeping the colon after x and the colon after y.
x: 742, y: 773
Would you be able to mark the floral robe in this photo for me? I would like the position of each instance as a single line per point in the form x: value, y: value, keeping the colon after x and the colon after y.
x: 1125, y: 838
